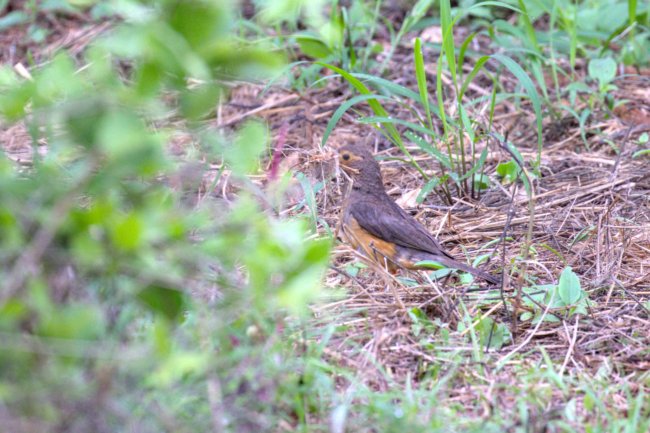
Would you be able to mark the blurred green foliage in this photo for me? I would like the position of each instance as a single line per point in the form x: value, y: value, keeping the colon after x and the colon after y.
x: 124, y: 308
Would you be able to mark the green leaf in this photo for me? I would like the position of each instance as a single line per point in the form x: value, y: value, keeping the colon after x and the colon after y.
x: 243, y: 155
x: 127, y: 233
x: 525, y: 316
x: 377, y: 108
x: 421, y: 77
x: 430, y: 264
x: 390, y: 121
x: 87, y: 251
x: 199, y: 22
x: 643, y: 138
x: 463, y: 50
x: 342, y: 110
x: 492, y: 333
x: 318, y: 252
x: 569, y: 288
x: 179, y: 366
x: 603, y: 70
x: 300, y: 290
x: 73, y: 321
x: 121, y: 134
x: 388, y: 86
x: 481, y: 182
x: 531, y: 91
x: 508, y: 171
x: 429, y: 148
x: 163, y: 300
x: 448, y: 37
x: 313, y: 47
x: 475, y: 70
x: 199, y: 103
x: 13, y: 19
x: 427, y: 188
x: 528, y: 26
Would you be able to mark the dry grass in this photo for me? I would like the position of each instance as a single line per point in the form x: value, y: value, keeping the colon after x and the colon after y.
x: 591, y: 212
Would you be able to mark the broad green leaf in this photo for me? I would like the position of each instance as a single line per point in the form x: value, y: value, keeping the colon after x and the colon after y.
x: 72, y: 321
x: 126, y: 234
x: 569, y: 288
x: 13, y: 19
x: 199, y: 22
x: 313, y: 47
x: 492, y: 333
x: 200, y: 102
x: 178, y: 366
x: 643, y: 138
x: 603, y: 70
x: 300, y: 290
x: 317, y: 252
x: 243, y: 154
x: 508, y: 171
x: 163, y: 300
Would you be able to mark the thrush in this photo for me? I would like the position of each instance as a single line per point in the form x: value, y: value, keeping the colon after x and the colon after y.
x: 375, y: 225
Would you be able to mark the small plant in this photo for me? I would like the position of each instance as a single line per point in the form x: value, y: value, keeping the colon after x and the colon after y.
x: 603, y: 72
x: 549, y: 301
x: 455, y: 146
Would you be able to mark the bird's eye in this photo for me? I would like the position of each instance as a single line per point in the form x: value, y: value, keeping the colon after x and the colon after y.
x: 346, y: 156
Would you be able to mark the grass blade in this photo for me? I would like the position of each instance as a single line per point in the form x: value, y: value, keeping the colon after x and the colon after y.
x: 448, y: 37
x: 379, y: 110
x: 390, y: 120
x: 341, y: 111
x: 421, y: 77
x: 531, y: 91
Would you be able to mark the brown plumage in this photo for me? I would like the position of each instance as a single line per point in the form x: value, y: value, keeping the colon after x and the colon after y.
x: 374, y: 224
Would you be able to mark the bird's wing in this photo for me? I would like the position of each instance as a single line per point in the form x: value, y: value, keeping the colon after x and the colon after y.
x: 386, y: 220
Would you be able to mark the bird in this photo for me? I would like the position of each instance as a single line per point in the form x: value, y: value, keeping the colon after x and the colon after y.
x: 373, y: 224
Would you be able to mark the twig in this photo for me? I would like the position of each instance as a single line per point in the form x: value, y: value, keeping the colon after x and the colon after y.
x: 572, y: 344
x: 257, y: 110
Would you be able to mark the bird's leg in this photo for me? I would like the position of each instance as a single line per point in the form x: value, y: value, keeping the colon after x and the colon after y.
x: 387, y: 268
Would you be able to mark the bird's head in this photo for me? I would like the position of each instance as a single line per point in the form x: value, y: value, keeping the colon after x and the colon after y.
x: 359, y: 163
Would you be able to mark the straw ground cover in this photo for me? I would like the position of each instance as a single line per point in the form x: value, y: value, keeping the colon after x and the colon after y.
x: 552, y: 349
x: 437, y: 339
